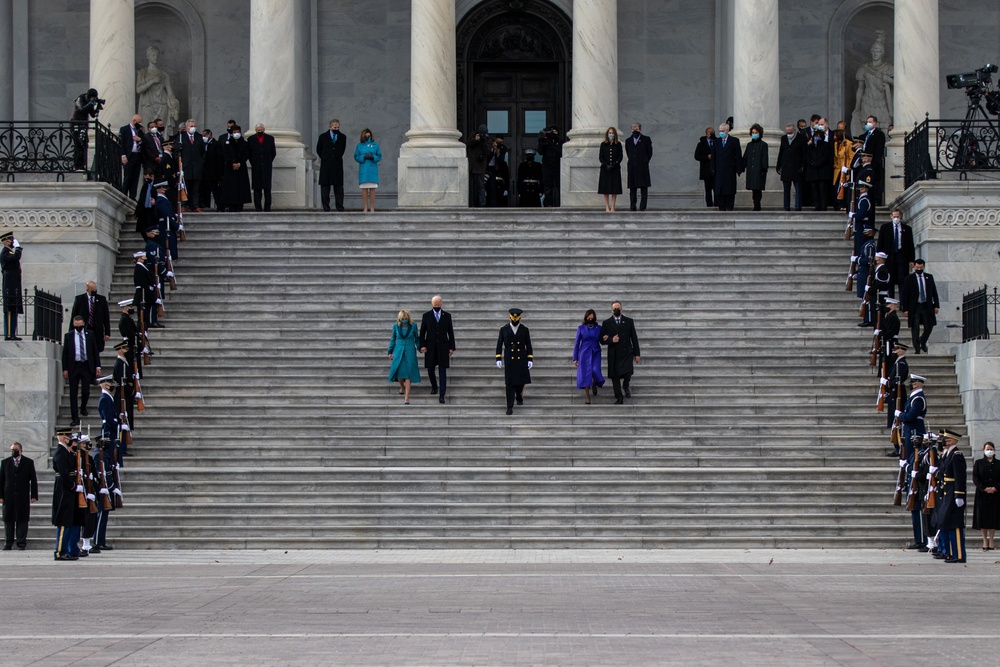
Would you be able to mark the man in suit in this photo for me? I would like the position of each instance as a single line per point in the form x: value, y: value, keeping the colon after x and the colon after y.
x: 80, y: 365
x: 130, y: 141
x: 210, y: 170
x: 152, y: 147
x: 262, y: 154
x: 703, y: 154
x: 618, y: 333
x: 639, y: 149
x: 896, y: 241
x: 791, y: 165
x: 190, y: 148
x: 10, y: 263
x: 920, y: 304
x: 93, y: 308
x: 873, y: 143
x: 727, y: 160
x: 515, y: 357
x: 18, y: 489
x: 437, y: 342
x: 330, y: 148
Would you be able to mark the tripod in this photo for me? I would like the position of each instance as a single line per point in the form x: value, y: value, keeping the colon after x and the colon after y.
x: 970, y: 146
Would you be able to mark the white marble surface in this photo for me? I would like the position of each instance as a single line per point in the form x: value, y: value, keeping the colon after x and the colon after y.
x: 31, y: 382
x: 916, y: 68
x: 6, y: 59
x: 595, y: 68
x: 977, y: 364
x: 755, y: 71
x: 112, y: 58
x: 273, y: 77
x: 433, y: 79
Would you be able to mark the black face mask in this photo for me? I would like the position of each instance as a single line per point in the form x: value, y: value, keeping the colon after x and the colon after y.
x: 437, y: 309
x: 918, y: 271
x: 15, y: 453
x: 617, y: 312
x: 261, y: 133
x: 78, y: 327
x: 591, y: 320
x: 636, y: 134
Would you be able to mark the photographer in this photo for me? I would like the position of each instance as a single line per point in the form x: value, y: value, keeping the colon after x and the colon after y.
x: 478, y: 152
x: 550, y: 141
x: 498, y: 175
x: 87, y: 106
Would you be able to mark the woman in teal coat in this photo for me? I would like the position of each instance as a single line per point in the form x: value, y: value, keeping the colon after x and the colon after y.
x: 403, y: 354
x: 367, y: 154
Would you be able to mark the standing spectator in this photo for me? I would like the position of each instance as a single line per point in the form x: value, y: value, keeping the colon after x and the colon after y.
x: 437, y: 343
x: 191, y: 152
x: 639, y: 149
x: 791, y: 164
x: 478, y: 153
x: 842, y: 155
x: 210, y: 172
x: 896, y: 241
x: 609, y: 183
x: 152, y: 147
x: 618, y: 333
x: 497, y: 175
x: 235, y: 188
x: 819, y: 164
x: 529, y: 181
x: 130, y: 140
x: 80, y: 365
x: 985, y: 514
x: 515, y: 357
x: 873, y: 143
x: 755, y: 164
x: 262, y: 154
x: 550, y: 143
x: 93, y: 308
x: 18, y: 489
x: 10, y: 264
x: 920, y: 304
x: 330, y: 147
x: 368, y: 154
x: 727, y: 160
x: 703, y: 154
x: 587, y: 355
x: 403, y: 354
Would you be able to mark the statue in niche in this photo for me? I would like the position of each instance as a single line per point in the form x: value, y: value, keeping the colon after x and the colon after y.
x: 156, y: 96
x: 875, y: 81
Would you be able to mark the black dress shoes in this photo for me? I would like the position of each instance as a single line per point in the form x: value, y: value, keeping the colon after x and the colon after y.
x: 434, y: 389
x: 7, y: 547
x: 105, y: 547
x: 923, y: 346
x: 440, y: 399
x: 923, y: 549
x: 628, y: 393
x: 914, y: 546
x: 620, y: 401
x: 510, y: 411
x: 65, y: 557
x: 83, y: 411
x: 954, y: 560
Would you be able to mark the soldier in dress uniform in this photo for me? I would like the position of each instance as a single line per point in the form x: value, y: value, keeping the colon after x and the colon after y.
x: 124, y: 395
x: 102, y: 452
x: 950, y: 511
x: 145, y: 291
x: 890, y: 330
x: 10, y: 261
x: 64, y: 494
x: 515, y: 357
x: 529, y: 181
x: 866, y: 263
x: 864, y: 215
x: 913, y: 414
x: 896, y: 379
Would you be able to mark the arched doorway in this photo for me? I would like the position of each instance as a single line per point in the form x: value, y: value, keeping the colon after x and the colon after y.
x: 514, y: 63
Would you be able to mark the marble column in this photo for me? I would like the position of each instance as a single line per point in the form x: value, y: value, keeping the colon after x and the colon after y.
x: 6, y: 59
x: 277, y: 66
x: 916, y: 79
x: 433, y: 169
x: 595, y: 99
x: 112, y: 58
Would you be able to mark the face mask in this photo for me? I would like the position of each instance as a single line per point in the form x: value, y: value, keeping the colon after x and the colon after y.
x: 437, y: 309
x: 755, y: 136
x: 591, y: 320
x: 192, y: 130
x: 895, y: 221
x: 368, y: 137
x: 990, y: 453
x: 617, y: 312
x: 153, y: 130
x: 918, y: 271
x: 722, y: 135
x: 868, y: 127
x: 821, y: 128
x: 791, y: 135
x: 611, y: 137
x: 16, y: 453
x: 712, y: 135
x: 159, y: 128
x: 260, y: 133
x: 78, y: 328
x: 236, y: 135
x: 636, y: 134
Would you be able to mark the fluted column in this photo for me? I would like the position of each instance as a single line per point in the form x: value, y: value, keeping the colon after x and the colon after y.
x: 112, y: 58
x: 6, y: 59
x: 755, y: 64
x: 595, y: 98
x: 433, y: 170
x: 277, y: 64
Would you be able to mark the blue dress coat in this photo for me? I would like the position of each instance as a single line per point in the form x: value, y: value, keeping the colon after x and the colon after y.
x: 587, y: 351
x: 403, y: 348
x: 367, y: 169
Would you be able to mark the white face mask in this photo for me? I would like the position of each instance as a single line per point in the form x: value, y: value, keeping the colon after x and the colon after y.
x: 153, y: 130
x: 236, y: 135
x: 192, y: 130
x: 990, y: 453
x: 895, y: 220
x: 791, y: 135
x: 868, y: 127
x: 611, y: 137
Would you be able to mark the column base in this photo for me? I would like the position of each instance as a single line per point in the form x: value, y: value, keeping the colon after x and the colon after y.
x: 292, y: 172
x: 433, y: 171
x: 580, y: 170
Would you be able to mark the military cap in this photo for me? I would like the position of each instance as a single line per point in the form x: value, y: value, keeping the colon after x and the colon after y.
x: 151, y: 228
x: 122, y: 345
x: 881, y: 255
x: 529, y: 151
x: 64, y: 431
x: 125, y: 303
x: 864, y: 154
x: 515, y: 311
x: 918, y: 378
x: 6, y: 235
x: 107, y: 379
x: 900, y: 346
x: 949, y: 434
x: 161, y: 184
x: 139, y: 253
x: 890, y: 300
x: 862, y: 184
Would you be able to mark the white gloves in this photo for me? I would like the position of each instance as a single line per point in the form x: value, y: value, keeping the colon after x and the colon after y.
x: 499, y: 363
x: 902, y: 463
x: 16, y: 244
x: 959, y: 502
x: 79, y: 488
x: 844, y: 170
x: 913, y: 474
x: 90, y: 497
x: 897, y: 413
x: 933, y: 469
x: 530, y: 364
x: 884, y: 381
x: 105, y: 492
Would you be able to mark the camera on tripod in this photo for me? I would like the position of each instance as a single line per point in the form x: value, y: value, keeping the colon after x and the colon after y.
x: 980, y: 77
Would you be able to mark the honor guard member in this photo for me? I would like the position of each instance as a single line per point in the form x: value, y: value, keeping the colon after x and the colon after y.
x: 866, y: 292
x: 10, y: 261
x: 124, y: 395
x: 898, y: 374
x: 130, y: 333
x: 950, y: 511
x: 864, y: 172
x: 890, y: 329
x: 529, y: 181
x: 89, y: 525
x: 514, y: 356
x: 913, y: 414
x: 864, y: 215
x: 64, y: 493
x: 108, y: 409
x: 145, y: 293
x: 101, y: 455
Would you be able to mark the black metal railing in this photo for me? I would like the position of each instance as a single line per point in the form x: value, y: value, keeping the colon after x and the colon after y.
x: 960, y: 146
x: 60, y: 148
x: 976, y: 312
x: 42, y: 314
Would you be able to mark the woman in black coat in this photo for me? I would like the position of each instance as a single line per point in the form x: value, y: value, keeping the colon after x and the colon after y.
x: 986, y: 513
x: 609, y: 183
x: 755, y: 164
x: 235, y: 188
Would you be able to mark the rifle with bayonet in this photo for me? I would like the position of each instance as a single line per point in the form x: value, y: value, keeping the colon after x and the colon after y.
x: 87, y: 475
x: 876, y: 347
x: 102, y: 478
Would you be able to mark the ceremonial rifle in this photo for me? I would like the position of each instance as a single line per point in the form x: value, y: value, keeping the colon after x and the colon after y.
x: 117, y: 481
x: 865, y: 303
x: 876, y: 348
x: 931, y: 500
x: 882, y: 391
x: 895, y: 436
x: 81, y: 496
x: 897, y: 499
x: 911, y: 498
x: 102, y: 477
x: 88, y: 483
x: 124, y: 429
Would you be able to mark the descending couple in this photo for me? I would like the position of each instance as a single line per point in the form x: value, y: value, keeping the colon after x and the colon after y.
x: 435, y: 339
x: 618, y: 333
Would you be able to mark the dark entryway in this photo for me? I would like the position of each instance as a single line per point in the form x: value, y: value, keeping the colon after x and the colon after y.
x: 513, y: 67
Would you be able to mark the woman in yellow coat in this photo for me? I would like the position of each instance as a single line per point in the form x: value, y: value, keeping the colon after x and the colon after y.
x: 842, y: 155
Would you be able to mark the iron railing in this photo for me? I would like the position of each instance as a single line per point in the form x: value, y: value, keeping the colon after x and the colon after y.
x: 61, y: 148
x: 43, y: 315
x: 976, y: 312
x: 960, y: 146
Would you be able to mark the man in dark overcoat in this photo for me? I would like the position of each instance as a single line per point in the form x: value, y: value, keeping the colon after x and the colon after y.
x: 262, y: 154
x: 920, y: 304
x: 703, y: 154
x: 618, y: 333
x: 18, y: 489
x: 235, y: 188
x: 93, y: 308
x: 727, y: 162
x: 895, y: 239
x: 437, y: 342
x: 10, y: 263
x: 791, y: 165
x: 529, y: 181
x: 130, y: 142
x: 64, y: 496
x: 639, y: 150
x: 515, y: 357
x: 210, y: 172
x: 192, y: 154
x: 330, y: 148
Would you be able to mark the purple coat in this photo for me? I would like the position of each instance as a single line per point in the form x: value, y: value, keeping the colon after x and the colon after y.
x: 587, y: 351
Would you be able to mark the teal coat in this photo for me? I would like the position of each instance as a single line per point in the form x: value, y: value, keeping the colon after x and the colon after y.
x: 403, y: 348
x: 367, y: 169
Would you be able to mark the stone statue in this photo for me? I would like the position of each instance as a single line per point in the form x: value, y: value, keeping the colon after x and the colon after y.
x: 156, y: 97
x: 875, y: 80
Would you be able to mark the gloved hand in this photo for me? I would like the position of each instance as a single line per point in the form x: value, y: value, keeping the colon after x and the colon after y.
x: 913, y: 474
x: 844, y: 170
x: 16, y: 244
x: 884, y: 381
x: 959, y: 502
x: 499, y: 363
x: 898, y: 413
x: 530, y: 364
x: 79, y: 488
x: 90, y: 497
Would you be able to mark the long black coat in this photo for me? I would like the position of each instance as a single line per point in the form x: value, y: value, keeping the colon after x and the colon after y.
x: 191, y: 149
x: 515, y: 350
x: 213, y: 163
x: 910, y: 298
x: 102, y: 318
x: 639, y: 154
x: 17, y: 487
x: 791, y: 158
x: 947, y: 514
x: 438, y: 338
x: 755, y: 164
x: 64, y: 498
x: 10, y: 260
x: 620, y: 354
x: 331, y: 158
x: 986, y: 513
x: 819, y: 161
x: 610, y: 180
x: 261, y: 161
x: 703, y: 154
x: 235, y: 186
x: 727, y: 162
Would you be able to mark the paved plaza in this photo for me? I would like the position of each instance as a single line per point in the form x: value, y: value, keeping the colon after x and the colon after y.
x: 495, y: 607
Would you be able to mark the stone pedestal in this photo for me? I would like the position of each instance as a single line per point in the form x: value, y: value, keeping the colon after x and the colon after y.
x: 30, y: 386
x: 433, y: 169
x: 112, y: 58
x: 977, y: 364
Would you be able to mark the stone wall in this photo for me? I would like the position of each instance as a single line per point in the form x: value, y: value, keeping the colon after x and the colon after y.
x: 30, y: 376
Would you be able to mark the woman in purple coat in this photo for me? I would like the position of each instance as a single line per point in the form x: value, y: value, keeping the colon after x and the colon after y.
x: 587, y: 355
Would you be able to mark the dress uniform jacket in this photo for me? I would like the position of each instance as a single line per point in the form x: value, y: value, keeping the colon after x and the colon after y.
x: 953, y: 478
x: 10, y: 260
x: 914, y: 413
x: 890, y: 330
x: 109, y: 415
x: 620, y: 354
x: 514, y: 347
x: 18, y: 485
x: 63, y: 494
